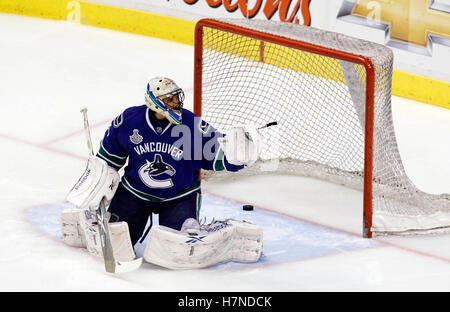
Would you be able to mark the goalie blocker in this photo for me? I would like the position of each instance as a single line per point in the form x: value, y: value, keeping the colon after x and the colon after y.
x: 78, y: 225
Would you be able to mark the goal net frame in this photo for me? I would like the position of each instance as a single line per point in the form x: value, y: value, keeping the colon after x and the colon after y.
x: 330, y: 52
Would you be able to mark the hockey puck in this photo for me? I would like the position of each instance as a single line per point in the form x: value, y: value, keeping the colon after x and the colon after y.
x: 247, y: 207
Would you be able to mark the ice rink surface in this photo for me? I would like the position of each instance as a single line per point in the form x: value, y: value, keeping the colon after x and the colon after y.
x: 49, y: 69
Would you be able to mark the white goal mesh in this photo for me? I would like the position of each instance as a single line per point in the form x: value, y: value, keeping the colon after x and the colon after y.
x: 319, y: 101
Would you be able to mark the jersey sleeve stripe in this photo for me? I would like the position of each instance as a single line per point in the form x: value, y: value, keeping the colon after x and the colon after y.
x: 111, y: 154
x: 117, y: 166
x: 119, y: 162
x: 219, y: 163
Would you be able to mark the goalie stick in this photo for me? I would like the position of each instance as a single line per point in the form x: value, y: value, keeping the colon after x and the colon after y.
x: 270, y: 124
x: 111, y: 264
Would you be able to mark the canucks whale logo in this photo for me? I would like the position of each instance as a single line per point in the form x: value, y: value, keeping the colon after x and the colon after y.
x: 156, y: 168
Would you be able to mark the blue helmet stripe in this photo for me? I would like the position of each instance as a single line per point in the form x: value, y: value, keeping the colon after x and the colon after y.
x: 174, y: 116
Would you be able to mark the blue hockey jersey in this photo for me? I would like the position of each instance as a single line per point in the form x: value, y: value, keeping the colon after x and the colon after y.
x: 162, y: 162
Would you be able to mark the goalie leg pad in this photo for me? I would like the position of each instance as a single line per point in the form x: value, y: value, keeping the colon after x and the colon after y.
x: 194, y: 248
x: 120, y: 237
x: 72, y: 233
x: 248, y: 241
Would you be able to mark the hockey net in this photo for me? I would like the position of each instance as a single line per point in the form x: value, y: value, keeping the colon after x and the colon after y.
x: 331, y: 97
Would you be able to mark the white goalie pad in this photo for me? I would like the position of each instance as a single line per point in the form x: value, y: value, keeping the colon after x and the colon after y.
x: 199, y: 247
x: 97, y: 182
x: 72, y: 233
x: 79, y: 229
x: 242, y: 145
x: 120, y: 237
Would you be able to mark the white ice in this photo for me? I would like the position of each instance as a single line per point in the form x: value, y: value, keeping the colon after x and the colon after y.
x: 49, y: 69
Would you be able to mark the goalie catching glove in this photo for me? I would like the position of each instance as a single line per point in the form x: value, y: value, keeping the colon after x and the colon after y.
x: 242, y: 145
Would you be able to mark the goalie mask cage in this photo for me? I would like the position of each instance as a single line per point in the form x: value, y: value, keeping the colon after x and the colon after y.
x: 331, y: 97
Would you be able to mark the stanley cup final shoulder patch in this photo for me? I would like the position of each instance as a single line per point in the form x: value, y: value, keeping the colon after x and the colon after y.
x: 136, y: 138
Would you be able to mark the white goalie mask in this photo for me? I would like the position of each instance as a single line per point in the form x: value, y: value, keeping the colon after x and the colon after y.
x: 164, y: 97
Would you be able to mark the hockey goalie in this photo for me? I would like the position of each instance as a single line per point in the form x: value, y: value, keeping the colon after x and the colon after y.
x: 161, y: 148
